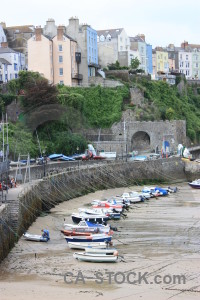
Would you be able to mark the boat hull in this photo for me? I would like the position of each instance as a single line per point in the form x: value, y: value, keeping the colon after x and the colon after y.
x: 194, y: 186
x: 97, y: 258
x: 77, y: 219
x: 35, y: 238
x: 88, y: 239
x: 82, y: 246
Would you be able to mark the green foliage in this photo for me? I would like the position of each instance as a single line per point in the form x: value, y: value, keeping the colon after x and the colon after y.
x: 5, y: 99
x: 20, y: 141
x: 170, y: 105
x: 135, y: 63
x: 101, y: 106
x: 116, y: 66
x: 24, y: 77
x: 56, y: 138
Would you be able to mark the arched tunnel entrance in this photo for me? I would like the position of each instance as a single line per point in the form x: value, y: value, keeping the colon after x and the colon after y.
x: 140, y: 141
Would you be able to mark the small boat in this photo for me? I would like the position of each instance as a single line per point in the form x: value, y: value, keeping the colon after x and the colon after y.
x: 106, y: 204
x: 35, y: 237
x: 90, y: 249
x: 85, y: 226
x: 95, y: 257
x: 109, y: 212
x: 75, y: 233
x: 133, y: 197
x: 77, y: 217
x: 92, y: 238
x: 78, y: 245
x: 195, y: 184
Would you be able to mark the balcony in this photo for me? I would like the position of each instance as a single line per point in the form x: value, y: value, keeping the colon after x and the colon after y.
x: 77, y: 76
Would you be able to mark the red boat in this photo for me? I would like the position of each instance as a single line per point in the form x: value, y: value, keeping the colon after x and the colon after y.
x: 89, y: 155
x: 75, y: 233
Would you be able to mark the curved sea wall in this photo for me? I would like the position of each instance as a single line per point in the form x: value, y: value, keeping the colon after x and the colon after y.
x: 20, y: 211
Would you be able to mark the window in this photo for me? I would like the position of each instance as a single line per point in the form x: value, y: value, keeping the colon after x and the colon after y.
x: 61, y: 71
x: 60, y: 48
x: 186, y: 57
x: 121, y: 39
x: 60, y: 58
x: 180, y: 56
x: 16, y: 76
x: 14, y: 57
x: 142, y: 50
x: 61, y: 82
x: 197, y: 65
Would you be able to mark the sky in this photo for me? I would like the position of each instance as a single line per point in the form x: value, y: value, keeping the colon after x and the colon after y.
x: 162, y: 22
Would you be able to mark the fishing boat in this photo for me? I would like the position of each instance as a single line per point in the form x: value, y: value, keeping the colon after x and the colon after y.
x: 85, y: 226
x: 95, y: 257
x: 109, y: 212
x: 77, y: 217
x: 75, y: 233
x: 35, y: 237
x: 106, y: 204
x: 133, y: 197
x: 91, y: 238
x: 82, y: 246
x: 195, y: 184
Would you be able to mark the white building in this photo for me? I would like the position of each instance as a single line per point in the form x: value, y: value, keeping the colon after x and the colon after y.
x: 112, y: 42
x: 16, y: 61
x: 185, y: 63
x: 2, y: 35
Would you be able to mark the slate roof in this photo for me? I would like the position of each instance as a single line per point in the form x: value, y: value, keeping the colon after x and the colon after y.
x: 23, y: 28
x: 6, y: 50
x: 112, y: 32
x: 4, y: 61
x: 136, y: 39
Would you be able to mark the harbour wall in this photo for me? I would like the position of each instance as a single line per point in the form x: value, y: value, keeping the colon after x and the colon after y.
x: 22, y: 209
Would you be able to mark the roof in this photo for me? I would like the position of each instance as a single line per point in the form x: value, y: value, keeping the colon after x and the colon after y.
x: 112, y: 32
x: 23, y: 28
x: 6, y: 50
x: 69, y: 37
x: 4, y: 61
x: 136, y: 39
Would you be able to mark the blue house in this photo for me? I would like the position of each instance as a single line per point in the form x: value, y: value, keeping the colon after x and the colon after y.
x: 92, y: 51
x: 149, y: 59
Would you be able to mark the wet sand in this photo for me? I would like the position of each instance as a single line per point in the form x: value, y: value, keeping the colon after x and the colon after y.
x: 160, y: 237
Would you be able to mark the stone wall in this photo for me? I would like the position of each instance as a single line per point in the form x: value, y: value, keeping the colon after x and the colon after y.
x: 7, y: 236
x: 104, y: 82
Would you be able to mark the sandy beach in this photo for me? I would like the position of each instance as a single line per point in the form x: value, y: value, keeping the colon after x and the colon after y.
x: 159, y: 239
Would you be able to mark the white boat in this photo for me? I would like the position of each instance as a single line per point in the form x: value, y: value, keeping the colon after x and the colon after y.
x: 88, y: 227
x: 78, y: 245
x: 100, y: 218
x: 90, y: 249
x: 35, y: 237
x: 95, y: 257
x: 195, y: 184
x: 133, y: 197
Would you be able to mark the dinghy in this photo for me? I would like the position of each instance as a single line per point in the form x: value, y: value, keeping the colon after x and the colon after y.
x: 95, y: 257
x: 195, y: 184
x: 35, y: 237
x: 82, y: 246
x: 75, y: 233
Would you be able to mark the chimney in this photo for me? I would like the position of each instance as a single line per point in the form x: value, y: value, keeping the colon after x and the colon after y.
x: 38, y: 33
x: 60, y: 32
x: 4, y: 44
x: 3, y: 24
x: 184, y: 45
x: 142, y: 36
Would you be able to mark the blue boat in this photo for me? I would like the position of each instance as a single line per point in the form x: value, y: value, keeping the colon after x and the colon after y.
x: 92, y: 238
x: 60, y: 157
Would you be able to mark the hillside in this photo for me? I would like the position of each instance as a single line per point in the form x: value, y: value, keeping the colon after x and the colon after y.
x: 92, y: 107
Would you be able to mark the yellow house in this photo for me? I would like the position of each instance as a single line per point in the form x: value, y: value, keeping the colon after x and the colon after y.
x: 162, y: 64
x: 53, y: 58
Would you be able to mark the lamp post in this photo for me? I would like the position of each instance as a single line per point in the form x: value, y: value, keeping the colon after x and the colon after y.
x: 44, y: 162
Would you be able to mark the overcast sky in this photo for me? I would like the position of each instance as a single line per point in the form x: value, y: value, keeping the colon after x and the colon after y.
x: 162, y: 22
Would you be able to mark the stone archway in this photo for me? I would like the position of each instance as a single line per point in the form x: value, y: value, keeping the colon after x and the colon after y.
x: 140, y: 141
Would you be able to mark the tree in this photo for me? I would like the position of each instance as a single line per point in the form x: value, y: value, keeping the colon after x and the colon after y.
x: 135, y: 63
